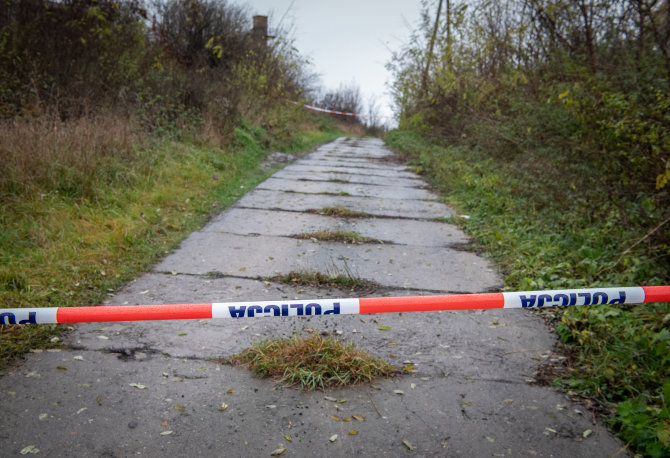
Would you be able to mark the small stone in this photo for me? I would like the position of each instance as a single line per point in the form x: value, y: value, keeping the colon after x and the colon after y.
x: 132, y: 424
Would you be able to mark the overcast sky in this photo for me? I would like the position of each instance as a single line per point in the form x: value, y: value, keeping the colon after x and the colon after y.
x: 346, y: 40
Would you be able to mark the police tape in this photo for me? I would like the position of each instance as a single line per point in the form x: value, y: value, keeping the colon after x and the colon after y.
x: 315, y: 307
x: 326, y: 110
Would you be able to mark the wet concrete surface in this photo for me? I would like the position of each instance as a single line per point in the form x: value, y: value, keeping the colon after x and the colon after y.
x: 157, y: 388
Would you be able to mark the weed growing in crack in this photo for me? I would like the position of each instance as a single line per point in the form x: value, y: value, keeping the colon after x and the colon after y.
x: 339, y: 212
x: 312, y: 362
x: 337, y: 236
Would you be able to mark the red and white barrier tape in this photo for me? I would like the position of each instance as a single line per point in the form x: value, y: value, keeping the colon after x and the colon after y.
x: 526, y: 299
x: 324, y: 110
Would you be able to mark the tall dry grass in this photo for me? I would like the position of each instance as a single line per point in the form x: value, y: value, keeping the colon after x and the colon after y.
x: 43, y: 155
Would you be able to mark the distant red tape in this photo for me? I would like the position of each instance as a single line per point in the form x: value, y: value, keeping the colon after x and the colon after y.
x: 314, y: 307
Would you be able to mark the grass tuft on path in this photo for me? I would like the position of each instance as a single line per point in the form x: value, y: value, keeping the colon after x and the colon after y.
x: 317, y: 279
x: 312, y: 362
x: 352, y: 238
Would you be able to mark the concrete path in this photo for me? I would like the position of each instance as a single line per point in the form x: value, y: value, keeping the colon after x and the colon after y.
x: 152, y: 389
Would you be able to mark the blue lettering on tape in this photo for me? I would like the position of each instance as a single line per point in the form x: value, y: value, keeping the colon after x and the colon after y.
x: 251, y: 311
x: 561, y: 299
x: 10, y: 318
x: 7, y: 318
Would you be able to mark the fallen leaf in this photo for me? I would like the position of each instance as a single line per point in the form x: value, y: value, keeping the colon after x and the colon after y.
x: 409, y: 368
x: 333, y: 438
x: 242, y: 269
x: 179, y: 407
x: 353, y: 432
x: 490, y: 439
x: 375, y: 387
x: 103, y: 337
x: 166, y: 433
x: 346, y: 419
x: 508, y: 401
x: 98, y: 399
x: 342, y: 401
x: 230, y: 391
x: 138, y: 385
x: 81, y: 410
x: 29, y: 449
x: 359, y: 417
x: 551, y: 430
x: 466, y: 404
x: 61, y: 368
x: 401, y: 392
x: 44, y: 416
x: 288, y: 437
x: 182, y: 333
x: 174, y: 272
x: 336, y: 417
x: 271, y: 406
x: 224, y: 406
x: 393, y: 343
x: 407, y: 444
x: 244, y: 328
x: 328, y: 398
x: 177, y: 379
x: 278, y: 451
x: 587, y: 433
x: 384, y: 328
x: 78, y: 358
x: 412, y: 385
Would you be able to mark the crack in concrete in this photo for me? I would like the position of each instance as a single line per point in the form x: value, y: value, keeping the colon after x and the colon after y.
x: 317, y: 210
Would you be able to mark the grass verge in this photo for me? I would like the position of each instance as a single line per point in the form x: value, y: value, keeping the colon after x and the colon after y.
x: 553, y: 234
x: 64, y: 246
x: 312, y: 362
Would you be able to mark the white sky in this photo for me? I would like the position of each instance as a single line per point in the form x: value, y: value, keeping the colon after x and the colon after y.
x: 346, y: 40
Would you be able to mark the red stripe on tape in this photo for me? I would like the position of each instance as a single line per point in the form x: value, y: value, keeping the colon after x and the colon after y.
x: 656, y: 293
x: 432, y: 303
x: 134, y: 313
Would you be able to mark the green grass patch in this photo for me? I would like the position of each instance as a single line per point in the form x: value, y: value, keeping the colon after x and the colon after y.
x: 551, y: 222
x: 65, y: 249
x: 312, y: 362
x: 345, y: 237
x: 339, y: 212
x: 316, y: 279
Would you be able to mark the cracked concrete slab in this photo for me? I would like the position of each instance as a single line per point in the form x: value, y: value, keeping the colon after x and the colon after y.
x: 356, y: 190
x: 286, y: 224
x: 400, y: 266
x: 350, y: 178
x: 350, y: 169
x: 396, y: 208
x: 158, y: 388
